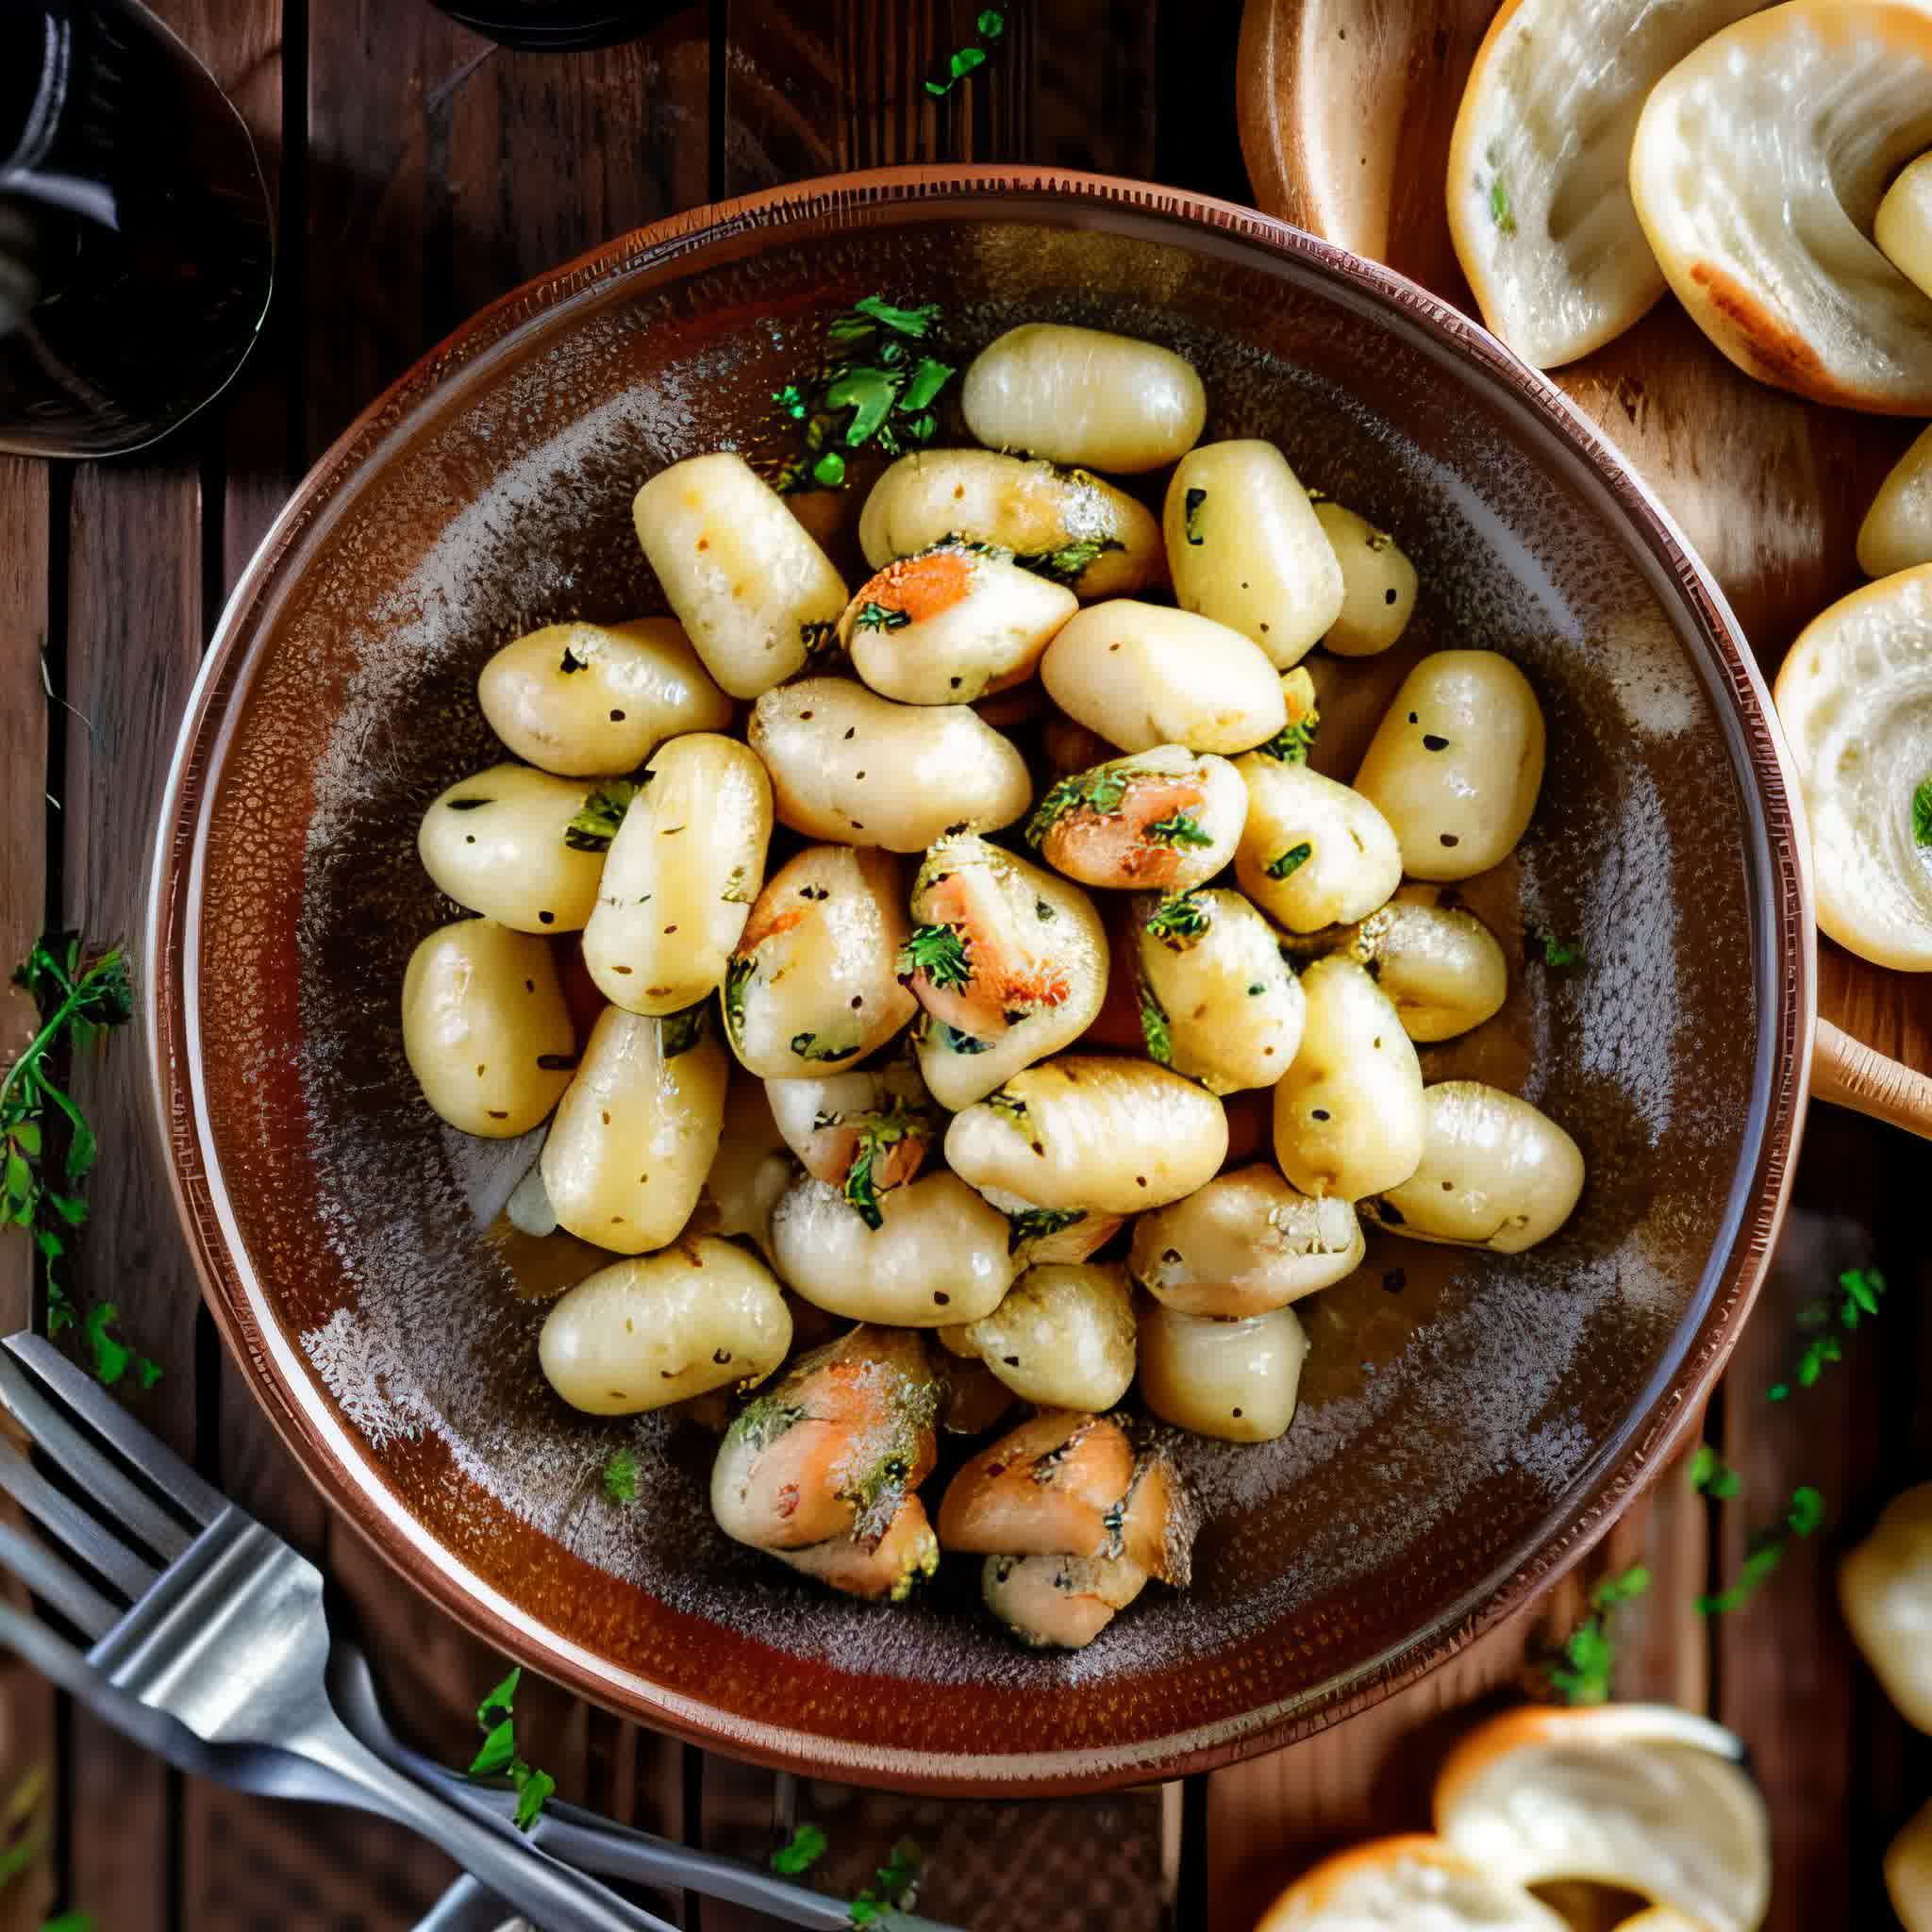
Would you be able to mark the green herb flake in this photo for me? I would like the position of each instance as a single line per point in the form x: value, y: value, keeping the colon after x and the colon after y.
x: 876, y: 1133
x: 917, y: 322
x: 923, y: 386
x: 498, y: 1755
x: 938, y: 953
x: 1556, y: 953
x: 1582, y: 1671
x: 1010, y: 1109
x: 620, y: 1476
x: 949, y: 1039
x: 808, y: 1047
x: 800, y: 1852
x: 1069, y: 563
x: 1179, y: 922
x: 1804, y: 1516
x: 828, y: 471
x: 1291, y: 744
x: 68, y: 1922
x: 679, y: 1032
x: 1711, y: 1475
x: 1035, y: 1224
x: 1291, y: 862
x: 1922, y: 814
x: 596, y: 820
x: 895, y: 1887
x: 1154, y: 1029
x: 992, y: 23
x: 737, y: 977
x: 1192, y: 506
x: 1500, y: 210
x: 1179, y: 829
x: 1807, y: 1512
x: 1099, y: 791
x: 873, y: 616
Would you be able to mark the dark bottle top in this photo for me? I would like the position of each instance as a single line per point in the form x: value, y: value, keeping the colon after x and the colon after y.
x: 556, y: 26
x: 136, y: 247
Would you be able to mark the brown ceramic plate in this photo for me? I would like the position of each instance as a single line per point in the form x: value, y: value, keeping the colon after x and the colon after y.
x: 1469, y: 1424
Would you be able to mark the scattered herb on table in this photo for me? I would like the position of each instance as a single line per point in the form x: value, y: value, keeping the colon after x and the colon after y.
x: 1711, y: 1475
x: 1804, y: 1515
x: 620, y: 1476
x: 1859, y: 1291
x: 596, y: 822
x: 800, y: 1852
x: 969, y: 60
x: 68, y: 1922
x: 1922, y: 814
x: 894, y: 1886
x: 873, y: 389
x: 498, y: 1757
x: 939, y: 952
x: 80, y: 999
x: 1581, y: 1672
x: 1554, y: 952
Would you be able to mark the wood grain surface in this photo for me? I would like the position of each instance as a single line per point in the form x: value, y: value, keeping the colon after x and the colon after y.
x: 421, y: 172
x: 1346, y: 110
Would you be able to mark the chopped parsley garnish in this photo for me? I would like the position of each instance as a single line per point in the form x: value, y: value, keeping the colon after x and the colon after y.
x: 79, y: 1001
x: 1711, y: 1475
x: 1070, y: 562
x: 871, y: 391
x: 1192, y: 504
x: 895, y: 1884
x: 1099, y: 790
x: 1035, y: 1224
x: 873, y: 616
x: 1581, y: 1672
x: 1179, y: 829
x: 808, y: 1047
x: 1554, y: 952
x: 1858, y: 1295
x: 1154, y: 1028
x: 1179, y: 921
x: 965, y: 60
x: 620, y: 1476
x: 498, y: 1756
x: 736, y: 974
x: 1500, y: 210
x: 877, y: 1132
x: 1804, y: 1515
x: 680, y: 1032
x: 1922, y: 814
x: 596, y: 822
x: 1291, y: 743
x: 939, y: 952
x: 736, y: 891
x: 1291, y: 862
x: 800, y: 1852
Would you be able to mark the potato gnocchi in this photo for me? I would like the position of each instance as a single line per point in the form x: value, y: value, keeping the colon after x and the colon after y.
x: 914, y: 1132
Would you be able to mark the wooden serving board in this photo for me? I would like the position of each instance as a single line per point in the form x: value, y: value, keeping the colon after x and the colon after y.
x: 1346, y: 108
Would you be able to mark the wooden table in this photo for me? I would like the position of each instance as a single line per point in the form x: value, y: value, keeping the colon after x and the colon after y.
x: 420, y: 174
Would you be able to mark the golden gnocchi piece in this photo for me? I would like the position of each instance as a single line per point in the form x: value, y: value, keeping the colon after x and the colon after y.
x: 1379, y: 583
x: 644, y: 1333
x: 1244, y: 1244
x: 1903, y: 226
x: 1402, y: 1885
x: 1109, y: 1136
x: 1455, y: 764
x: 751, y: 1169
x: 951, y: 624
x: 1312, y: 852
x: 937, y: 1255
x: 1233, y: 1379
x: 1908, y: 1871
x: 683, y: 868
x: 1885, y: 1589
x: 1037, y: 1235
x: 1165, y: 819
x: 886, y: 1570
x: 811, y: 982
x: 1495, y: 1173
x: 1067, y: 525
x: 1246, y: 549
x: 755, y: 594
x: 1348, y: 1117
x: 850, y: 766
x: 1084, y: 397
x: 500, y: 844
x: 1142, y: 676
x: 862, y: 1133
x: 1063, y: 1338
x: 637, y: 1131
x: 595, y: 700
x: 485, y: 1028
x: 1061, y: 1603
x: 1443, y: 968
x: 1007, y: 962
x: 1218, y: 1002
x: 1897, y: 531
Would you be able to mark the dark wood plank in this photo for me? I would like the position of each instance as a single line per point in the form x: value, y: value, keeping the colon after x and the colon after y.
x: 1787, y: 1677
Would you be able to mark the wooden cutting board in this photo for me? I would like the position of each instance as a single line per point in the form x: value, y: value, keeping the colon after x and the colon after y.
x: 1346, y: 108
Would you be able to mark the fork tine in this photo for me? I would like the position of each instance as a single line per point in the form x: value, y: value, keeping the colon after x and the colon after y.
x: 99, y: 1475
x: 89, y: 1539
x: 73, y: 1391
x: 45, y: 1574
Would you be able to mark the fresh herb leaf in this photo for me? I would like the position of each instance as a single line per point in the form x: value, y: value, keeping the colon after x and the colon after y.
x: 1035, y: 1224
x: 828, y: 471
x: 949, y: 1039
x: 497, y: 1752
x: 992, y: 23
x: 1860, y: 1292
x: 917, y: 322
x: 1922, y: 814
x: 680, y: 1032
x: 1099, y: 791
x: 894, y: 1886
x: 620, y: 1476
x: 1804, y: 1516
x: 1711, y: 1475
x: 737, y: 974
x: 1291, y: 862
x: 958, y: 67
x: 873, y: 616
x: 498, y: 1755
x: 1010, y: 1109
x: 501, y: 1699
x: 1500, y: 210
x: 1070, y: 562
x: 1155, y: 1031
x: 939, y: 952
x: 1178, y: 828
x: 876, y: 1133
x: 1613, y: 1591
x: 1807, y: 1512
x: 1192, y: 508
x: 595, y: 823
x: 1582, y: 1671
x: 68, y: 1922
x: 1554, y: 952
x: 1291, y: 743
x: 808, y: 1047
x: 800, y: 1852
x: 1178, y: 922
x: 869, y: 393
x: 534, y: 1789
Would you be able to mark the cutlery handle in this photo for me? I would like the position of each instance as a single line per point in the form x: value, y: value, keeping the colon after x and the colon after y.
x: 551, y: 1896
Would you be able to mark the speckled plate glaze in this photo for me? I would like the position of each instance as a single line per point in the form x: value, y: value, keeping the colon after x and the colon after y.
x: 1469, y: 1424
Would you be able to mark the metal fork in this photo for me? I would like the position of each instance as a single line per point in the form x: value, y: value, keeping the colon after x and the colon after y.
x: 200, y: 1616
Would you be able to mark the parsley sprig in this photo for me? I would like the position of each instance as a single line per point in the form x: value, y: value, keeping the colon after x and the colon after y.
x: 1859, y: 1291
x: 1922, y: 814
x: 876, y: 1133
x: 970, y: 59
x: 1711, y: 1475
x: 1099, y: 791
x: 939, y: 952
x: 80, y: 999
x: 620, y: 1476
x: 1177, y: 828
x: 894, y: 1886
x: 498, y: 1756
x: 1180, y: 921
x: 595, y: 823
x: 1582, y: 1670
x: 800, y: 1852
x: 1804, y: 1515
